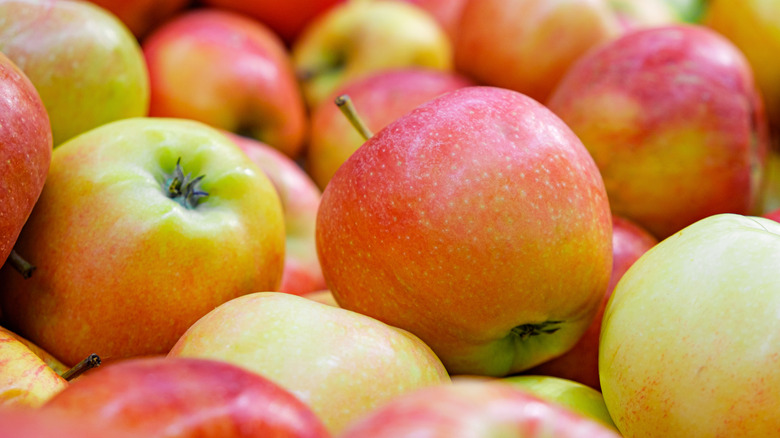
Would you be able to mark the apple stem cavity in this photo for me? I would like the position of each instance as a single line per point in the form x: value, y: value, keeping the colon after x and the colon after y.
x: 183, y: 188
x: 525, y: 331
x: 91, y: 361
x: 348, y: 109
x: 21, y: 265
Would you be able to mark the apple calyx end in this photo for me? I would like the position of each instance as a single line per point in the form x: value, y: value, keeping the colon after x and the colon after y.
x: 525, y: 331
x: 183, y: 188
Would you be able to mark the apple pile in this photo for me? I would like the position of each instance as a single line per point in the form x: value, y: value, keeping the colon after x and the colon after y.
x: 389, y: 218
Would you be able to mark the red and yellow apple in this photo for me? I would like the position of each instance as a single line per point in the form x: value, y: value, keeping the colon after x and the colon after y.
x: 228, y: 71
x: 142, y: 16
x: 132, y: 246
x: 479, y: 222
x: 25, y: 379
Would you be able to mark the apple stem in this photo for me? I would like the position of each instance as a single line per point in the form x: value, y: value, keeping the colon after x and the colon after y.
x: 91, y: 361
x: 348, y: 109
x: 20, y: 264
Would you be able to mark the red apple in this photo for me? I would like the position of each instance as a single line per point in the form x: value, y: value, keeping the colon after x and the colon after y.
x: 581, y: 363
x: 37, y: 423
x: 85, y: 64
x: 25, y: 148
x: 183, y: 398
x: 475, y: 409
x: 300, y: 199
x: 774, y: 215
x: 446, y: 12
x: 478, y: 222
x: 141, y: 16
x: 287, y: 18
x: 379, y: 99
x: 528, y: 45
x: 228, y: 71
x: 675, y: 123
x: 132, y: 246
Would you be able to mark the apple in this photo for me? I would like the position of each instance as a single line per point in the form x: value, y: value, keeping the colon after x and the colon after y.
x: 25, y: 380
x: 690, y: 10
x: 637, y: 14
x: 754, y: 27
x: 774, y: 215
x: 356, y: 38
x: 446, y: 12
x: 663, y: 110
x: 300, y: 199
x: 142, y: 16
x: 528, y: 45
x: 379, y: 99
x: 182, y: 397
x: 25, y: 148
x: 322, y: 296
x: 44, y: 355
x: 342, y: 364
x: 581, y: 363
x: 575, y: 396
x: 85, y: 64
x: 133, y: 246
x: 475, y: 409
x: 478, y: 222
x: 287, y: 18
x: 35, y: 423
x: 228, y: 71
x: 689, y: 339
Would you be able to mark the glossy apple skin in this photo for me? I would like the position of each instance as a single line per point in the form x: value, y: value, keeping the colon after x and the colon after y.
x: 446, y: 12
x: 241, y: 73
x: 85, y: 64
x: 183, y: 398
x: 754, y: 27
x: 124, y: 270
x: 577, y: 397
x: 528, y: 45
x: 25, y: 148
x: 300, y: 199
x: 379, y: 99
x: 689, y: 338
x: 25, y: 379
x: 36, y: 423
x: 475, y: 410
x: 141, y: 16
x: 662, y: 110
x: 358, y: 38
x: 342, y: 364
x: 581, y: 363
x: 287, y: 18
x: 424, y: 228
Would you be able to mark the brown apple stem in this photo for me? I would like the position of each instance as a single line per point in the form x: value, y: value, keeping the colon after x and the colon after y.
x: 348, y: 109
x: 91, y: 361
x: 20, y: 264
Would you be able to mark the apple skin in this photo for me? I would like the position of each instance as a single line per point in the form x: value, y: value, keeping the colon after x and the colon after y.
x: 322, y: 296
x: 446, y: 12
x: 528, y: 45
x: 575, y: 396
x: 44, y: 355
x: 358, y: 38
x: 581, y: 363
x: 85, y: 64
x: 379, y: 99
x: 638, y: 14
x: 774, y: 215
x: 424, y: 228
x: 25, y: 147
x: 287, y: 18
x: 300, y: 199
x: 635, y: 101
x: 25, y: 379
x: 124, y: 270
x: 342, y: 364
x: 141, y: 16
x: 689, y: 338
x: 754, y: 27
x: 35, y: 423
x: 182, y: 398
x: 475, y: 409
x: 241, y: 70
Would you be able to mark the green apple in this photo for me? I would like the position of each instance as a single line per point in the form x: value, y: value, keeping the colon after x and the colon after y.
x: 343, y: 364
x: 132, y: 247
x: 86, y: 65
x: 572, y: 395
x: 355, y: 38
x: 690, y: 340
